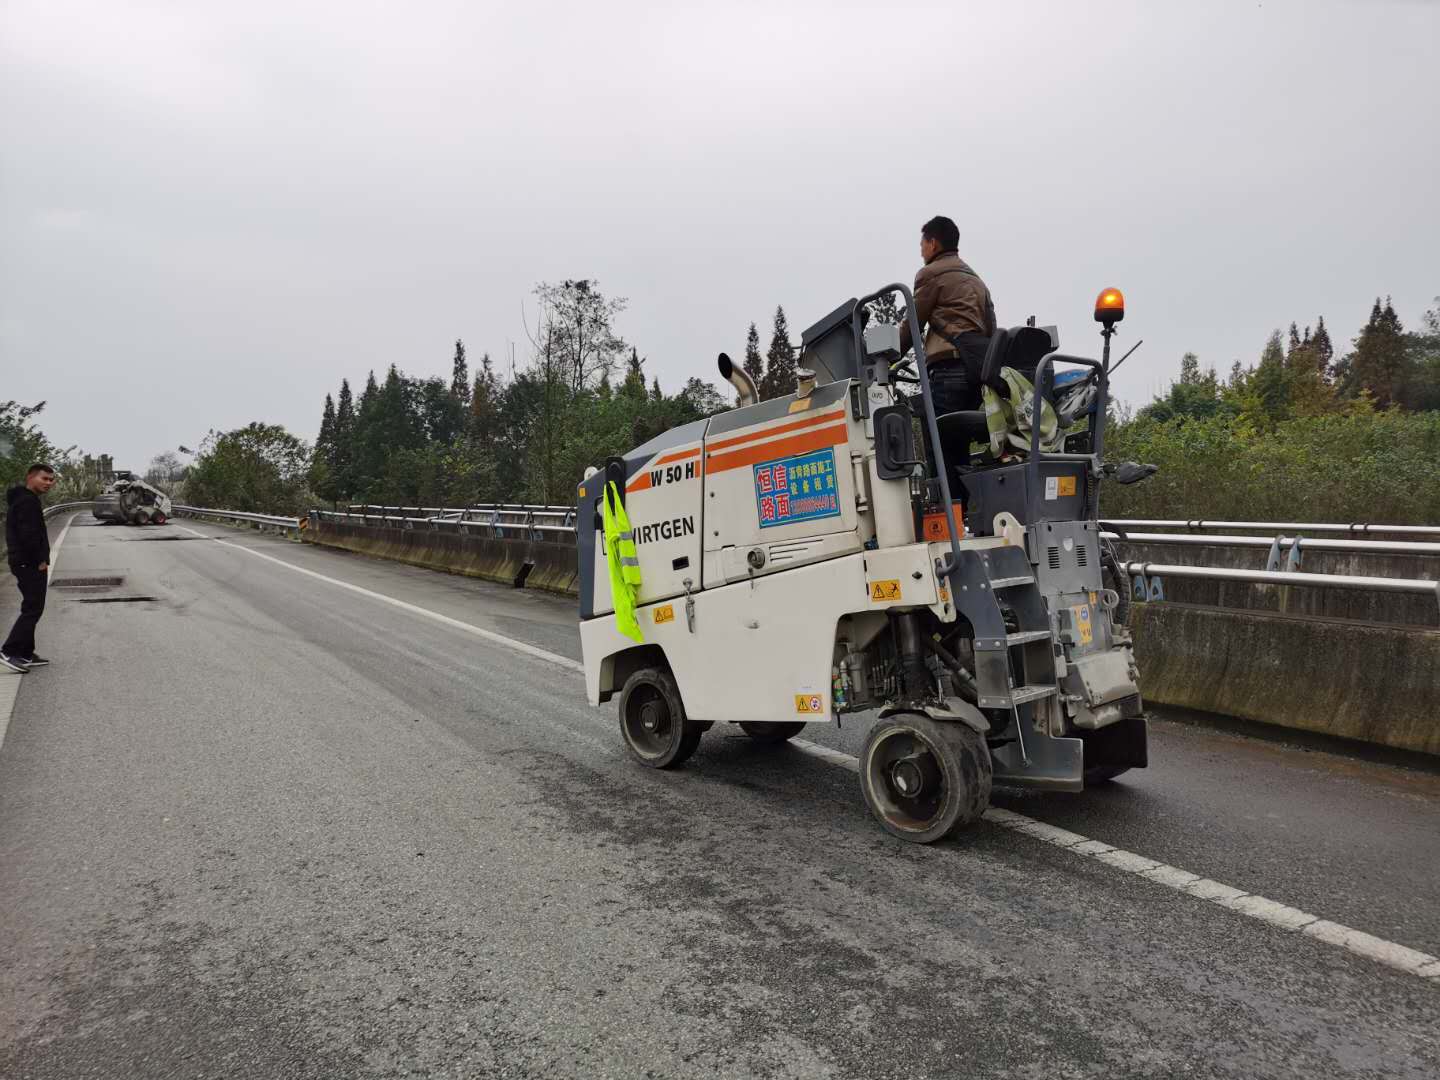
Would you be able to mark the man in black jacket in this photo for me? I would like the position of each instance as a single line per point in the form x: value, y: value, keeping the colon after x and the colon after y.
x: 27, y: 546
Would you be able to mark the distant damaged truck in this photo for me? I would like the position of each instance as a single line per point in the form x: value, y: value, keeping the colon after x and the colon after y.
x: 131, y: 501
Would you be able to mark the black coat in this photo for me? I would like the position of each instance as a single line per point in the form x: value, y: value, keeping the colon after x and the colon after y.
x: 27, y: 541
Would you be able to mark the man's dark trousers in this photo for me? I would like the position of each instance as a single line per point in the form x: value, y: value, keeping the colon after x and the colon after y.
x: 32, y: 582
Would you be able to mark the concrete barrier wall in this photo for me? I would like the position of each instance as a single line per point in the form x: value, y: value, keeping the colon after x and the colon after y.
x: 538, y: 564
x: 1380, y: 684
x: 1396, y: 608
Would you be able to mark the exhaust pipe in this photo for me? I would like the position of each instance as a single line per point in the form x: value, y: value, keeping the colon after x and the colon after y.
x: 740, y: 379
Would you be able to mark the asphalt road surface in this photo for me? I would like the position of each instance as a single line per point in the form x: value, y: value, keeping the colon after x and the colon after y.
x: 257, y: 824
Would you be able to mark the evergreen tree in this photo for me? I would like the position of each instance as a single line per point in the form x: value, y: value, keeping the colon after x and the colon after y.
x: 460, y: 376
x: 754, y: 363
x: 322, y: 461
x: 1269, y: 381
x: 634, y: 384
x: 1378, y: 361
x: 1324, y: 350
x: 779, y: 361
x: 343, y: 456
x: 484, y: 405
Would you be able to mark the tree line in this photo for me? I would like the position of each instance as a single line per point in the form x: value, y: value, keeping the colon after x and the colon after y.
x: 478, y: 437
x: 1349, y: 433
x: 1303, y: 433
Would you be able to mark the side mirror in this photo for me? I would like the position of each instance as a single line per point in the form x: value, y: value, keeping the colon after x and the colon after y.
x: 1130, y: 472
x: 894, y: 443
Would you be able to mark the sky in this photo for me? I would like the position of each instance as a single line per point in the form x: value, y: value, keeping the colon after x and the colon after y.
x: 211, y: 213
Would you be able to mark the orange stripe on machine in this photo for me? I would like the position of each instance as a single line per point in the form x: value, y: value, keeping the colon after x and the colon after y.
x: 766, y: 451
x: 778, y: 429
x: 646, y: 477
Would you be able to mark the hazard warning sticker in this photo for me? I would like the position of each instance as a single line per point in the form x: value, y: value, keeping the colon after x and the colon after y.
x: 664, y: 613
x: 887, y: 591
x: 809, y: 703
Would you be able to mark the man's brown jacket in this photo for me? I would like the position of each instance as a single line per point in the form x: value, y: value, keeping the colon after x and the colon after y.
x: 950, y: 299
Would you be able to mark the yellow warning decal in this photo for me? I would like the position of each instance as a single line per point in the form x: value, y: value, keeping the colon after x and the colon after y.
x: 809, y: 703
x: 799, y: 406
x: 1065, y: 485
x: 1082, y: 623
x: 944, y: 593
x: 664, y: 613
x: 885, y: 591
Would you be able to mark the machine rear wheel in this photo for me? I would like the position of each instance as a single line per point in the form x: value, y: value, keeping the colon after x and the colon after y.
x: 142, y: 517
x: 159, y: 519
x: 652, y: 720
x: 923, y: 778
x: 773, y: 733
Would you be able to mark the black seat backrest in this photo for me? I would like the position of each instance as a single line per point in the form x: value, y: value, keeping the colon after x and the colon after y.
x: 1028, y: 346
x: 995, y: 356
x: 1021, y: 348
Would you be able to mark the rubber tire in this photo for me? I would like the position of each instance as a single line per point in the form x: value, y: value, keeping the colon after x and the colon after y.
x: 159, y: 519
x: 966, y: 773
x: 684, y: 734
x: 1103, y: 774
x: 773, y: 733
x: 142, y: 516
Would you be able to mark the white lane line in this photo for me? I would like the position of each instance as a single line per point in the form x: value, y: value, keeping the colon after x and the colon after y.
x: 55, y: 555
x: 488, y: 635
x: 9, y: 688
x: 1256, y: 907
x: 1172, y: 877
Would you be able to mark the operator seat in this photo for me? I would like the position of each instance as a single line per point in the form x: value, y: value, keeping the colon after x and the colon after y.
x: 1019, y: 347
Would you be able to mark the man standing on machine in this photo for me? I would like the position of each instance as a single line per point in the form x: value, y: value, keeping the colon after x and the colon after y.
x: 954, y: 307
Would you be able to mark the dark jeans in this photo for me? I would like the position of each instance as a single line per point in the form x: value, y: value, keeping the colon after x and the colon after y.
x: 954, y: 388
x: 32, y: 582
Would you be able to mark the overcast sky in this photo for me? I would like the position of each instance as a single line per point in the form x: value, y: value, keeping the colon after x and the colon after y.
x: 210, y: 213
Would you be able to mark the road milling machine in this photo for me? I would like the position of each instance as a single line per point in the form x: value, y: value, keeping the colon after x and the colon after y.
x: 807, y: 557
x: 129, y: 500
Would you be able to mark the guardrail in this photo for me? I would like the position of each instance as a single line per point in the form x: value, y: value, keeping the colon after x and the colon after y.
x: 60, y: 508
x: 556, y: 524
x: 1284, y: 550
x: 1200, y: 525
x: 240, y: 517
x: 1144, y: 576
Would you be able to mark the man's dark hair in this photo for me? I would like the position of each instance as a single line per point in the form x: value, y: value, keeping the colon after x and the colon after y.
x: 943, y: 230
x: 39, y: 466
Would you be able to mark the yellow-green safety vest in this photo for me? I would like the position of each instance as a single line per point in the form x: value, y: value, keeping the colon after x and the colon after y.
x: 623, y: 562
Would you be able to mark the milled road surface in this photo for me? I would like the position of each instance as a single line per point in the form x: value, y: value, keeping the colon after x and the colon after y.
x: 263, y: 826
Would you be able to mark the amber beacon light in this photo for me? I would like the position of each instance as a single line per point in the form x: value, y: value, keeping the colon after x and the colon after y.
x: 1109, y: 306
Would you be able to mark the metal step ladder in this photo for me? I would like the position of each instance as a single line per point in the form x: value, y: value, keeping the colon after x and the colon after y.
x: 987, y: 579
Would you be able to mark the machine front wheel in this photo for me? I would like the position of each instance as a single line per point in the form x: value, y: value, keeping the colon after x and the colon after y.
x: 772, y: 732
x: 652, y: 720
x: 923, y: 778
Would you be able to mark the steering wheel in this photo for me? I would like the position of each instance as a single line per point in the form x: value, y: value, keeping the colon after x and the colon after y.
x: 903, y: 371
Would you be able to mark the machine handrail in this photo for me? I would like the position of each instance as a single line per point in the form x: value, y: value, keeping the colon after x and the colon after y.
x: 1044, y: 373
x: 947, y: 568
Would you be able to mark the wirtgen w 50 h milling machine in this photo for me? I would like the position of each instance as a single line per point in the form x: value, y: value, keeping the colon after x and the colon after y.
x: 800, y: 560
